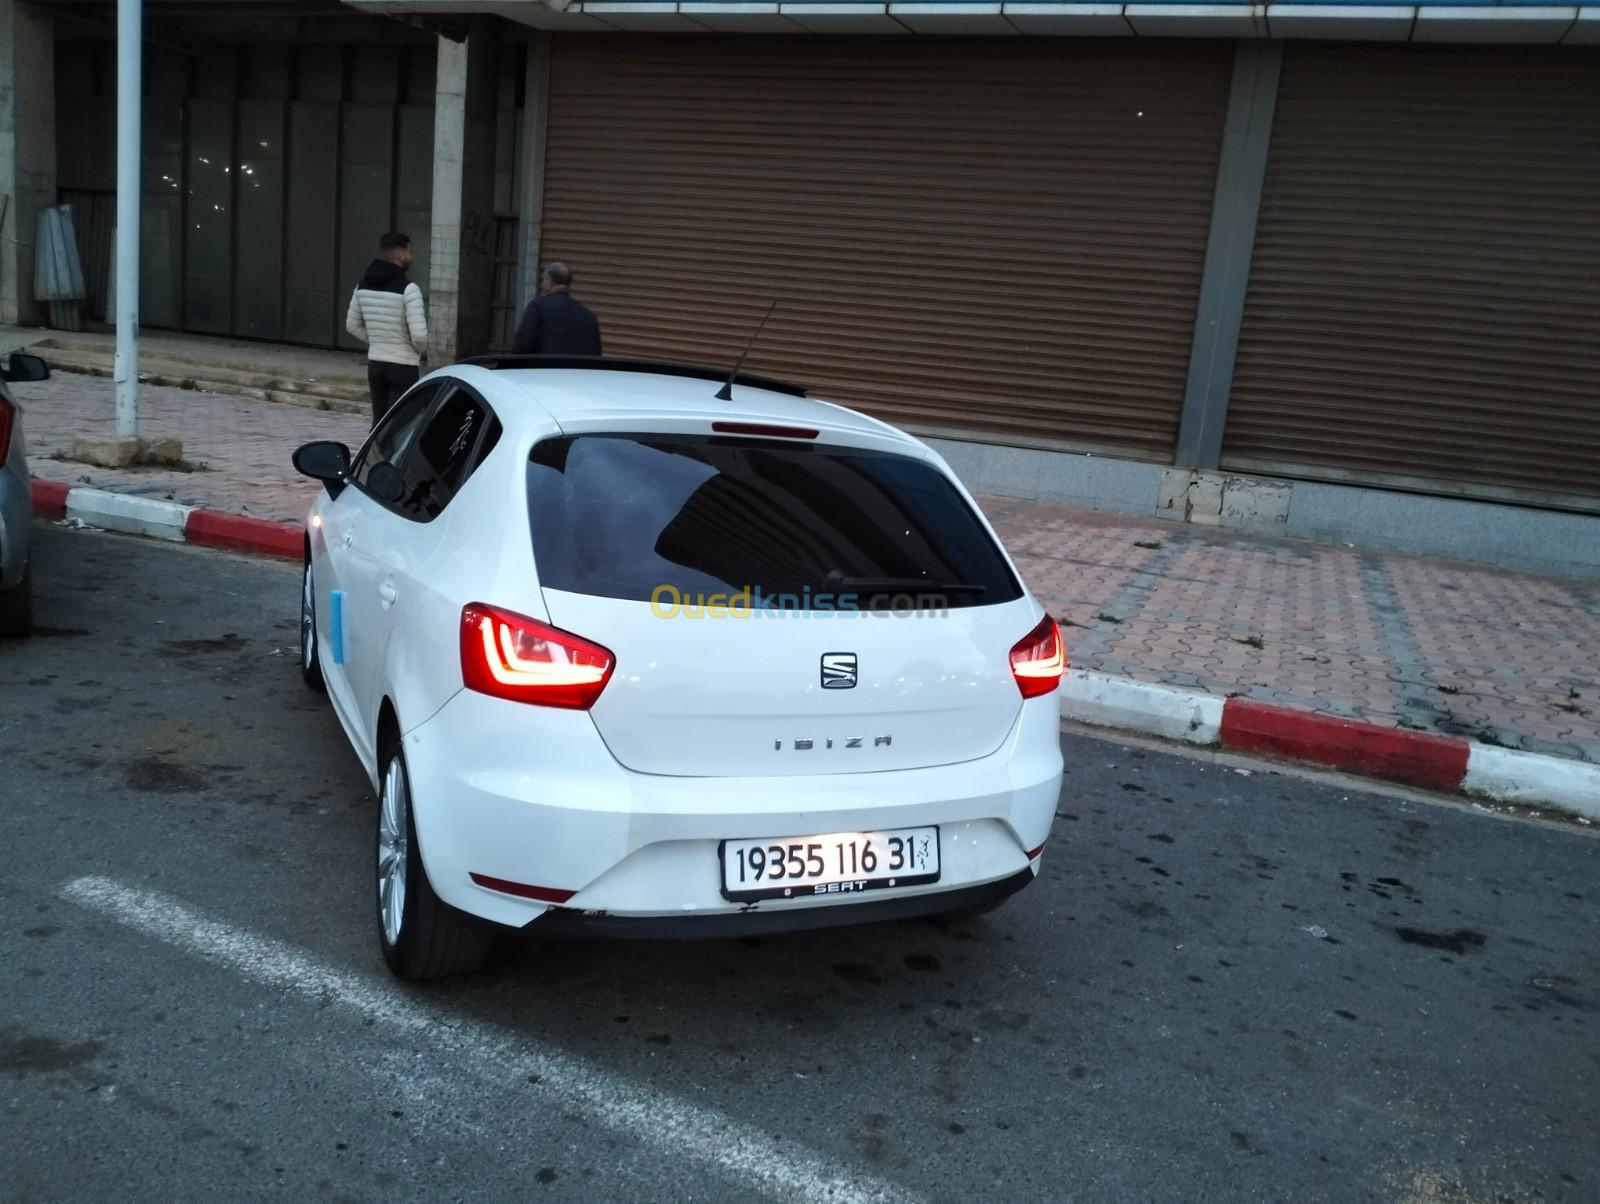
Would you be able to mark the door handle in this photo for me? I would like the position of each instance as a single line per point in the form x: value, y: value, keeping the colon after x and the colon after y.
x: 348, y: 538
x: 388, y: 593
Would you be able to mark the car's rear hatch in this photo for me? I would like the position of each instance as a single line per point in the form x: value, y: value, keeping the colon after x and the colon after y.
x: 777, y: 607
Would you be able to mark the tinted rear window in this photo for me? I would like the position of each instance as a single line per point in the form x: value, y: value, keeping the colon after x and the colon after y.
x: 621, y: 515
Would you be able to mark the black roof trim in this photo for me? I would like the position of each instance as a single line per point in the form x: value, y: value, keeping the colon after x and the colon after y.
x: 603, y: 363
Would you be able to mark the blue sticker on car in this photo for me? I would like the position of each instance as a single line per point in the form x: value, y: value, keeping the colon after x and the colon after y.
x: 336, y: 624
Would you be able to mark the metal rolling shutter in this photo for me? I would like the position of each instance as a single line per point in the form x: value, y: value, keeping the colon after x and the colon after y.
x: 1424, y: 301
x: 984, y: 234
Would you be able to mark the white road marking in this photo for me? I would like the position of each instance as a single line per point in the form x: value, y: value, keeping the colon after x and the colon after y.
x: 774, y: 1166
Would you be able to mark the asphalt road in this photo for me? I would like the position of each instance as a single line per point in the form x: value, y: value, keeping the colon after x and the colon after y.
x: 1225, y: 986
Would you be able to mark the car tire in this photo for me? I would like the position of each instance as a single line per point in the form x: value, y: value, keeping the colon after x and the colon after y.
x: 16, y: 607
x: 422, y: 937
x: 310, y: 661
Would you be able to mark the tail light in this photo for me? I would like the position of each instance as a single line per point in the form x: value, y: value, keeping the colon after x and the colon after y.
x: 511, y: 656
x: 8, y: 422
x: 1038, y: 659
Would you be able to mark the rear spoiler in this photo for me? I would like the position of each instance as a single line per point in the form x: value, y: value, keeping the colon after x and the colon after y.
x: 602, y: 363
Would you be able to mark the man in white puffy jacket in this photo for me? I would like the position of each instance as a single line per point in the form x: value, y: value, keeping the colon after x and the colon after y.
x: 386, y: 314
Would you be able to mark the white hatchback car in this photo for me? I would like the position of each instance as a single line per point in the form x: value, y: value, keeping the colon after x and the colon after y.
x: 623, y: 658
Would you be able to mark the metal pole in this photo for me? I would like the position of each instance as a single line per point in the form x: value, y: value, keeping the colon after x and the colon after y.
x: 130, y: 46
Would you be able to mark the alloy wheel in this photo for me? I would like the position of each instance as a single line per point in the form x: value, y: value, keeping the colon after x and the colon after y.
x: 308, y: 621
x: 393, y: 822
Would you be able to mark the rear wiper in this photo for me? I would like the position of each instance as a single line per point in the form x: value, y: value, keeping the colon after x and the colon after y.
x: 879, y: 585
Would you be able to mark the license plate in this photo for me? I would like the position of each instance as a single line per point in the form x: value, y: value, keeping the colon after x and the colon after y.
x: 845, y: 863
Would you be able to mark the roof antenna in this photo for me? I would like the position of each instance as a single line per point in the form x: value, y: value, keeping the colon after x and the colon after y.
x: 726, y: 392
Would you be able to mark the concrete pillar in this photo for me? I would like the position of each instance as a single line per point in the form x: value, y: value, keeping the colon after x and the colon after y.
x: 1241, y: 168
x: 535, y: 135
x: 27, y: 149
x: 461, y: 266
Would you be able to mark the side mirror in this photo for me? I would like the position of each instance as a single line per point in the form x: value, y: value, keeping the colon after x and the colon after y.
x: 385, y: 483
x: 23, y: 367
x: 324, y: 461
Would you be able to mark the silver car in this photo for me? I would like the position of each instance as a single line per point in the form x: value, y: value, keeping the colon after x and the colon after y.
x: 16, y: 503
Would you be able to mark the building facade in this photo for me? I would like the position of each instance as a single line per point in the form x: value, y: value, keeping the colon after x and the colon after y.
x: 1279, y: 266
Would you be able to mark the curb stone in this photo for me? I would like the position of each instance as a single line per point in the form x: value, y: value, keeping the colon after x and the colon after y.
x: 128, y: 513
x: 1441, y: 763
x: 244, y: 534
x: 133, y: 515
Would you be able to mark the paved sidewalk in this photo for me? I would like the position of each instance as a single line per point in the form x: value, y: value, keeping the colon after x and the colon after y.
x: 269, y: 372
x: 239, y: 447
x: 1403, y: 641
x: 207, y: 353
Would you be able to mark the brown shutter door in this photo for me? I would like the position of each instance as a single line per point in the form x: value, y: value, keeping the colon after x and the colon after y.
x: 1424, y: 302
x: 984, y: 234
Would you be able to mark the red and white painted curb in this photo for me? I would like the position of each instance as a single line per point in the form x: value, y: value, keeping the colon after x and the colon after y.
x: 1416, y: 758
x: 167, y: 520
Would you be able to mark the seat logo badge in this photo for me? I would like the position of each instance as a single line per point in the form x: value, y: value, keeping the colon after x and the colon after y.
x: 838, y: 670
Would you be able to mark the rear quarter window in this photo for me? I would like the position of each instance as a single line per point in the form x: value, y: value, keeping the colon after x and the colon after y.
x: 802, y: 526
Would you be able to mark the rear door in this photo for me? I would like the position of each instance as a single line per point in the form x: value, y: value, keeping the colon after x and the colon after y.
x: 778, y: 607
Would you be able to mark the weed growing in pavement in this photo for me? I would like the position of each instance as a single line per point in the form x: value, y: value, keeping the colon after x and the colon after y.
x: 1152, y: 544
x: 1251, y: 641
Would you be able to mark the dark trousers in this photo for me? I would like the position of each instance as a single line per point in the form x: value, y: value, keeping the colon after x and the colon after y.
x: 388, y: 382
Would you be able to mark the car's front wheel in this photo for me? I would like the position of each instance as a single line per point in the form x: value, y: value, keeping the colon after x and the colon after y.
x: 16, y: 607
x: 422, y: 936
x: 310, y: 665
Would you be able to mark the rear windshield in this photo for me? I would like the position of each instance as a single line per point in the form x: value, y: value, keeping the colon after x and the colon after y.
x: 803, y: 527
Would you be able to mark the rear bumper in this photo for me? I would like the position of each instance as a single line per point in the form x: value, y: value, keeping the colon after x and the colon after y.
x: 567, y: 922
x: 531, y: 796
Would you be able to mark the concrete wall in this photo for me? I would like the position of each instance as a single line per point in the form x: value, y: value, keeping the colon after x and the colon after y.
x: 27, y: 149
x: 1512, y: 537
x: 1075, y: 479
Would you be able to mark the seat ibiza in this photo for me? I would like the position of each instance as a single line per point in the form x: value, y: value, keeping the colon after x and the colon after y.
x: 624, y: 658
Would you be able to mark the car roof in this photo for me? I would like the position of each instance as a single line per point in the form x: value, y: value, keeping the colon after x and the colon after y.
x: 596, y: 397
x: 634, y: 364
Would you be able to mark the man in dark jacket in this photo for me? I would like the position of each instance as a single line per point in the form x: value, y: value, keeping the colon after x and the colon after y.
x: 556, y: 322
